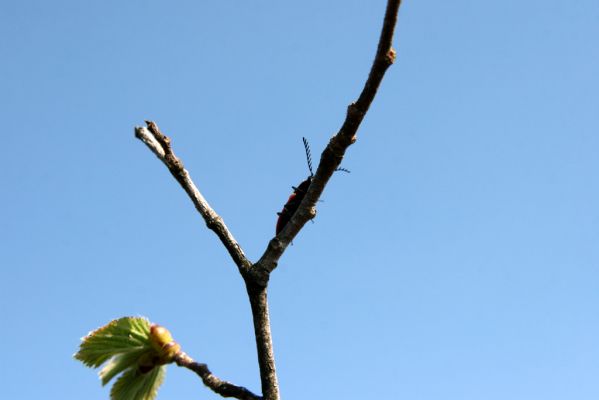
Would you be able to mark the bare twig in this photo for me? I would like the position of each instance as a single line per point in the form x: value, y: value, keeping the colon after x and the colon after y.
x: 224, y: 388
x: 256, y: 276
x: 333, y: 154
x: 160, y: 145
x: 266, y: 355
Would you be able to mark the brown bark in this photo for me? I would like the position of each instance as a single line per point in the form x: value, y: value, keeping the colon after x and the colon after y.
x: 256, y: 275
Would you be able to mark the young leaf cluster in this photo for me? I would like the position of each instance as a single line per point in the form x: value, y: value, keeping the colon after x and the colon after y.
x: 129, y: 346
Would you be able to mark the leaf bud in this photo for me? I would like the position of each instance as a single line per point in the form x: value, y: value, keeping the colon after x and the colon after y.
x: 162, y: 341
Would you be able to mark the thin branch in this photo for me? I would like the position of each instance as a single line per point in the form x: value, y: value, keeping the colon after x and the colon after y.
x: 333, y: 154
x: 224, y: 388
x: 160, y: 145
x: 256, y: 276
x: 266, y: 355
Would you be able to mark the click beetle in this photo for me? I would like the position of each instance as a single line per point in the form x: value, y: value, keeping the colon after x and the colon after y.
x: 298, y: 194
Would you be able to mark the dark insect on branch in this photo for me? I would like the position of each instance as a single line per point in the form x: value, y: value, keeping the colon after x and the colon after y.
x: 299, y: 192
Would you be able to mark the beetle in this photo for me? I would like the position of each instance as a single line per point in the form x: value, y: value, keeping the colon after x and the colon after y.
x: 298, y: 194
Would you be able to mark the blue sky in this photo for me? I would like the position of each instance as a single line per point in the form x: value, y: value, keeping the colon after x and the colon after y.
x: 458, y: 260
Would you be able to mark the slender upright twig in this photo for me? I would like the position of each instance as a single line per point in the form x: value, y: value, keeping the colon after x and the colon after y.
x: 333, y: 154
x: 256, y: 275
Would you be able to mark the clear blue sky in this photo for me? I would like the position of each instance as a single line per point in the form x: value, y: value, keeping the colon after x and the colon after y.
x: 458, y: 261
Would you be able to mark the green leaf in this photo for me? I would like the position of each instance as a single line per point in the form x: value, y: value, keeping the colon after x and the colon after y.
x: 119, y: 363
x: 121, y: 335
x: 134, y: 385
x: 125, y: 346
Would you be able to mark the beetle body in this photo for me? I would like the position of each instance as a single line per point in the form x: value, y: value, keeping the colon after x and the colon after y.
x: 298, y: 194
x: 292, y: 204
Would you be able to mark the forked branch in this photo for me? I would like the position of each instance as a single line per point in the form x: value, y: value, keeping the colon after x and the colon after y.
x: 256, y: 276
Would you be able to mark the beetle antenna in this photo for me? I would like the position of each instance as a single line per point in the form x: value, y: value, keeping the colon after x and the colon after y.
x: 343, y: 170
x: 308, y: 155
